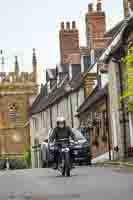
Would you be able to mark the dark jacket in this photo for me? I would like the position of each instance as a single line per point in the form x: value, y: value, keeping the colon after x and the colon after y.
x: 61, y: 133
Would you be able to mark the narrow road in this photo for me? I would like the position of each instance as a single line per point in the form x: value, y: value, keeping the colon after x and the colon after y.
x: 86, y: 183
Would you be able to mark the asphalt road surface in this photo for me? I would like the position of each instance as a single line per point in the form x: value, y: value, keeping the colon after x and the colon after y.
x: 86, y: 183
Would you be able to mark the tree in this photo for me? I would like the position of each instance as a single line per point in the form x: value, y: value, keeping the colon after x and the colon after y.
x: 128, y: 78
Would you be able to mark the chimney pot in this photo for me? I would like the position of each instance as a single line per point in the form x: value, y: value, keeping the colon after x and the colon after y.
x: 99, y: 6
x: 68, y: 25
x: 73, y: 25
x: 90, y: 7
x: 62, y: 25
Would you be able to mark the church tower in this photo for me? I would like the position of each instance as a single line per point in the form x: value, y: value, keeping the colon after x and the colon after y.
x: 17, y: 91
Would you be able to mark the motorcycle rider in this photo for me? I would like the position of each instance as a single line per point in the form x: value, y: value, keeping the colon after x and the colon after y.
x: 61, y: 131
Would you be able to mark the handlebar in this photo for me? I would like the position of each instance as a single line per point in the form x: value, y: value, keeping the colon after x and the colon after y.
x: 65, y: 139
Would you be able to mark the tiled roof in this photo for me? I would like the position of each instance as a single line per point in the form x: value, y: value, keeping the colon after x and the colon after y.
x: 118, y: 39
x: 62, y: 68
x: 76, y: 69
x: 42, y: 102
x: 50, y: 74
x: 56, y: 95
x: 96, y: 95
x: 43, y: 92
x: 98, y: 52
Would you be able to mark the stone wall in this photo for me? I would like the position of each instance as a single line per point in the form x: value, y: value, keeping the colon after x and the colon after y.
x: 14, y: 116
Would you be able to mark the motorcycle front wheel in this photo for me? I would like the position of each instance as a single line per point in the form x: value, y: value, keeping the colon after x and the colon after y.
x: 61, y: 165
x: 67, y: 163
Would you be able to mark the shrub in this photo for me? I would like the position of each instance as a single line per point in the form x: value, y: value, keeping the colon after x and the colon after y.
x: 2, y: 163
x: 17, y: 163
x: 128, y: 78
x: 27, y: 157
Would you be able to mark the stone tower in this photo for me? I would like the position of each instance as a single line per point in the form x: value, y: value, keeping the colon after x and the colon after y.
x: 17, y: 89
x: 69, y: 41
x: 95, y: 26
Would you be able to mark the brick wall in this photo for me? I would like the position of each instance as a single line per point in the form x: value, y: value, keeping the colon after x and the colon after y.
x: 95, y: 26
x: 69, y: 41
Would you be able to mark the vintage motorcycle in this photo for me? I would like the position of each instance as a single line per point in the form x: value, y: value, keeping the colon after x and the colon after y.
x: 64, y: 157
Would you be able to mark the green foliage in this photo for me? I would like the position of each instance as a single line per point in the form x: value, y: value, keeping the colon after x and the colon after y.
x: 27, y: 157
x: 17, y: 163
x: 128, y: 78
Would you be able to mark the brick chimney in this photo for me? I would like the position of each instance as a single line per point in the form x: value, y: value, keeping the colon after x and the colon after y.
x: 95, y: 26
x: 125, y: 7
x: 128, y: 7
x: 69, y: 41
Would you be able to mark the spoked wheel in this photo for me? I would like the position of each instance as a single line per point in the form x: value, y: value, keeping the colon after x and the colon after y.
x: 61, y: 165
x: 63, y: 172
x: 63, y: 168
x: 68, y: 172
x: 67, y: 164
x: 64, y: 164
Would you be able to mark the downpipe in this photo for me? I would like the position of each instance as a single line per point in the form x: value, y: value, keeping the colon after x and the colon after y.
x: 123, y: 110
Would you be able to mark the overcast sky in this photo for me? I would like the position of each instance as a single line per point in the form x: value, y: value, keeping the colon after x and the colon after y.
x: 35, y: 23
